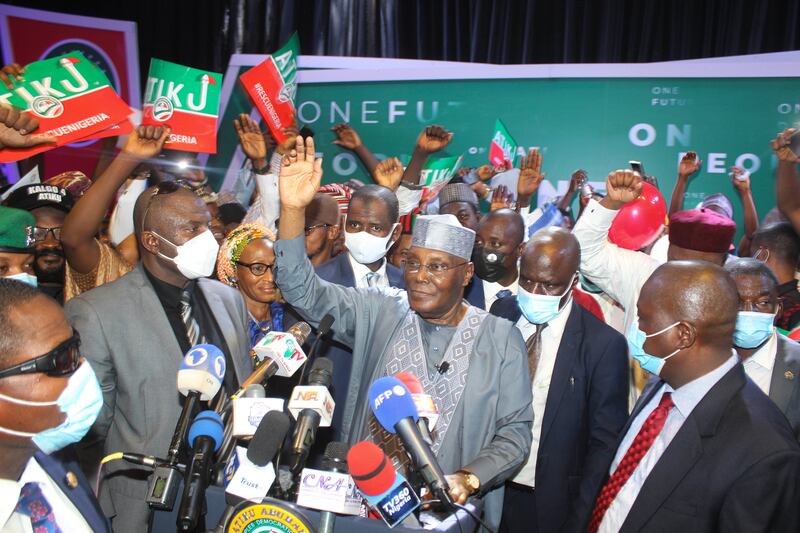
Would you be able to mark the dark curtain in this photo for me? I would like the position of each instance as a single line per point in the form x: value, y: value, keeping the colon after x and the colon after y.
x: 203, y: 33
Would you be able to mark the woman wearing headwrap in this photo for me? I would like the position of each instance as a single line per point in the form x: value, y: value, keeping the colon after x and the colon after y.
x: 245, y: 262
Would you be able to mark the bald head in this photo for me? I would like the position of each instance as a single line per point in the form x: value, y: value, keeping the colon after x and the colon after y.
x: 505, y: 221
x: 163, y: 212
x: 697, y: 292
x: 323, y: 209
x: 550, y: 261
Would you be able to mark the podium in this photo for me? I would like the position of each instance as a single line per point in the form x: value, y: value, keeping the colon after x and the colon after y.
x: 164, y: 522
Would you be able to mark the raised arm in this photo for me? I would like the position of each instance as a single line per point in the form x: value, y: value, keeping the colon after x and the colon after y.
x: 80, y: 225
x: 530, y: 177
x: 348, y: 138
x: 688, y: 166
x: 787, y: 186
x: 431, y: 140
x: 741, y: 182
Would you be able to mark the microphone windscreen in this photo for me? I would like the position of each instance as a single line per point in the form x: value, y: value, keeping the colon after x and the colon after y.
x: 202, y: 369
x: 411, y: 381
x: 391, y: 402
x: 321, y: 372
x: 301, y: 331
x: 370, y: 469
x: 335, y: 456
x: 325, y: 325
x: 206, y: 424
x: 256, y: 390
x: 268, y: 438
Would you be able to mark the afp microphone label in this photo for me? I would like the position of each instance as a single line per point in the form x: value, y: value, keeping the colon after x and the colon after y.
x: 397, y: 504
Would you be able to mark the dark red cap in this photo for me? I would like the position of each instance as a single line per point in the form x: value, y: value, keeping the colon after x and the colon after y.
x: 369, y: 467
x: 701, y: 230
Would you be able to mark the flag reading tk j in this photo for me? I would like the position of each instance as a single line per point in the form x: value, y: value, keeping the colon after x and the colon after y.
x: 503, y: 147
x: 72, y: 99
x: 272, y: 87
x: 185, y: 99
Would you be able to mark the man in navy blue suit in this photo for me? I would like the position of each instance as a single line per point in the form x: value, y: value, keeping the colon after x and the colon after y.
x: 370, y: 229
x: 49, y: 397
x: 579, y: 377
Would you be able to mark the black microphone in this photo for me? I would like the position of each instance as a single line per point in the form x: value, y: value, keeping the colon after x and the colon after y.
x: 442, y: 368
x: 205, y: 437
x: 264, y: 446
x: 335, y: 461
x: 310, y: 404
x: 322, y: 330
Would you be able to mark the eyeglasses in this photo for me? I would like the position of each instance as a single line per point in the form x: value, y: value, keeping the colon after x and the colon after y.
x: 62, y: 360
x: 163, y: 188
x: 257, y: 269
x: 310, y: 229
x: 437, y: 270
x: 40, y: 234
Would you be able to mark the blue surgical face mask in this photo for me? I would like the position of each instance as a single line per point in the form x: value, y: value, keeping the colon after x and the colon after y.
x: 24, y: 277
x: 541, y: 308
x: 753, y: 328
x: 81, y: 401
x: 636, y: 340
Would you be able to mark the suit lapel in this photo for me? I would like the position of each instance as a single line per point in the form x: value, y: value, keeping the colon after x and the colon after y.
x: 685, y: 449
x: 346, y: 275
x: 565, y: 359
x: 781, y: 386
x: 155, y: 316
x: 228, y: 331
x: 75, y: 487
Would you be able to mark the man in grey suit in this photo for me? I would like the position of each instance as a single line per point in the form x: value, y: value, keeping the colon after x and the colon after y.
x: 135, y: 330
x: 473, y: 364
x: 770, y: 359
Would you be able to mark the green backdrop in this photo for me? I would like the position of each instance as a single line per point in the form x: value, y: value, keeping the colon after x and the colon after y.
x: 595, y: 124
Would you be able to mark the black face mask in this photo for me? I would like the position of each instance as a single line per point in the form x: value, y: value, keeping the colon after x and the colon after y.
x: 489, y: 264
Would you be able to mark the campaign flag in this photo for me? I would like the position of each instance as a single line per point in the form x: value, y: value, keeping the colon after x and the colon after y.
x: 72, y: 99
x: 503, y: 147
x: 187, y: 100
x: 436, y: 174
x: 272, y: 87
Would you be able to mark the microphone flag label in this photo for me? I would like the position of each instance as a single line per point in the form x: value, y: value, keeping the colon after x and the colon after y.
x: 328, y: 491
x: 398, y: 503
x: 185, y: 99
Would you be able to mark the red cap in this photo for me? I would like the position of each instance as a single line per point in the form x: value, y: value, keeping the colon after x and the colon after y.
x: 701, y: 230
x: 411, y: 381
x: 369, y: 467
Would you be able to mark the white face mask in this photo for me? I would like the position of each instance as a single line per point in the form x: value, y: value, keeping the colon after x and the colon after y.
x: 196, y: 257
x: 367, y: 248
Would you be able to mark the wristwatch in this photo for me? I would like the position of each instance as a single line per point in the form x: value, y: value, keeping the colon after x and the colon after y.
x: 471, y: 480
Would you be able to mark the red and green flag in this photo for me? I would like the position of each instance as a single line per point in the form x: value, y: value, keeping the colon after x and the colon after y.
x: 503, y: 147
x: 72, y: 99
x: 272, y: 87
x: 436, y: 174
x: 187, y: 100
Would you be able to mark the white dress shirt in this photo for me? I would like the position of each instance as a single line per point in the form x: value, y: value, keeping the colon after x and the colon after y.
x: 67, y: 516
x: 685, y: 399
x: 361, y: 272
x: 758, y: 366
x: 551, y: 340
x: 491, y: 288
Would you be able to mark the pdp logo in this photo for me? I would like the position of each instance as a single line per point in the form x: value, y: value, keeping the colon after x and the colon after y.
x: 162, y: 109
x: 47, y: 107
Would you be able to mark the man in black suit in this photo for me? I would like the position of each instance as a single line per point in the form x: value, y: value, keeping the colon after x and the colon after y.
x: 579, y: 377
x: 371, y: 228
x: 770, y: 359
x: 705, y: 449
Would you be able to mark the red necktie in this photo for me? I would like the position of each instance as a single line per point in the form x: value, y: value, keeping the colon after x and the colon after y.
x: 644, y: 439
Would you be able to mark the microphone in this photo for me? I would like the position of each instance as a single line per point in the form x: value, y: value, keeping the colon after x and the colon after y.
x: 312, y: 406
x: 386, y: 490
x: 322, y: 330
x: 199, y: 379
x: 205, y: 437
x: 426, y: 408
x: 394, y: 409
x: 249, y: 474
x: 284, y: 353
x: 330, y: 489
x: 442, y: 368
x: 250, y: 408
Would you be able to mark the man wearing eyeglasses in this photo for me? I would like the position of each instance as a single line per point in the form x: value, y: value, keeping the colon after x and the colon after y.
x: 579, y: 379
x: 49, y: 397
x: 50, y: 205
x: 472, y: 364
x: 136, y: 329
